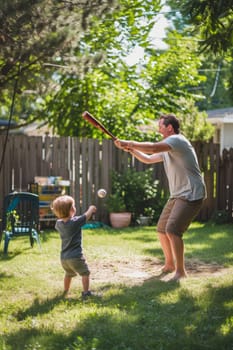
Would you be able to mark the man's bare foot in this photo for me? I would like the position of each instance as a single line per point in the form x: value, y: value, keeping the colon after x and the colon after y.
x: 168, y: 268
x: 178, y: 276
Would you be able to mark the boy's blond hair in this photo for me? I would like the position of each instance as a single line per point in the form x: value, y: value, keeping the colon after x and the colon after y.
x: 62, y: 205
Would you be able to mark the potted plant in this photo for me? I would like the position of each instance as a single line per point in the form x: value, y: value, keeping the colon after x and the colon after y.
x: 118, y: 215
x: 136, y: 192
x: 115, y: 203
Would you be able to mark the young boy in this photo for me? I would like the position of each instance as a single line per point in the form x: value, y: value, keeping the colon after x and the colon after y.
x: 69, y: 226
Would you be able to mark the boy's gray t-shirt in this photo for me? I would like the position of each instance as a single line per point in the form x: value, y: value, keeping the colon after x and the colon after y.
x: 182, y: 169
x: 71, y: 236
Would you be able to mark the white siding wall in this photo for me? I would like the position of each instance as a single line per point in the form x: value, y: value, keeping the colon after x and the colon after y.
x: 227, y: 136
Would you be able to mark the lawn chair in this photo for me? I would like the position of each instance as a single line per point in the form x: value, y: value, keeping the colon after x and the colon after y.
x: 21, y: 217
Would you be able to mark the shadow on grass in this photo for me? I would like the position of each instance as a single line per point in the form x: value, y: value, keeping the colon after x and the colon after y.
x: 208, y: 243
x: 140, y: 317
x: 10, y: 255
x: 39, y: 307
x: 13, y: 252
x: 152, y: 316
x: 5, y: 276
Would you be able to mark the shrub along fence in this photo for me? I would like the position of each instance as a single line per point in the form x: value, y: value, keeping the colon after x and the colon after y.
x: 87, y: 163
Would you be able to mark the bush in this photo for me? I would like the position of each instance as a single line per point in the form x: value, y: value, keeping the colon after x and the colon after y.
x: 115, y: 203
x: 139, y: 192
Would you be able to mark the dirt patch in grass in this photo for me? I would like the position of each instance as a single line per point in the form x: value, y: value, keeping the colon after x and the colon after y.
x: 197, y: 267
x: 136, y: 271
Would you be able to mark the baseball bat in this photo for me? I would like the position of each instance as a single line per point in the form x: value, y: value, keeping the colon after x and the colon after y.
x: 87, y: 116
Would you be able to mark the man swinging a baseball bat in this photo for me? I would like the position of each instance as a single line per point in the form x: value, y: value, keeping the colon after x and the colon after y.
x: 186, y: 185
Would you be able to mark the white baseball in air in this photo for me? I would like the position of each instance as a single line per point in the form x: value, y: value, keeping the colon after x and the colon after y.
x: 101, y: 193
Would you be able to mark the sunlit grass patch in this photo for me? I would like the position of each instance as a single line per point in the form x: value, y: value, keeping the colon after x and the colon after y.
x: 134, y: 308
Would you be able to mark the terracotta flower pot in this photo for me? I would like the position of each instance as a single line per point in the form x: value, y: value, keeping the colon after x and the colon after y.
x: 119, y: 220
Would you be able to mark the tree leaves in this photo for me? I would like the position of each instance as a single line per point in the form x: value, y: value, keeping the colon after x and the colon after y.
x: 69, y: 57
x: 213, y: 19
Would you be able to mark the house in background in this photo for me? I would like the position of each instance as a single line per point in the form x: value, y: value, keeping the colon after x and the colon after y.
x: 33, y: 129
x: 4, y: 124
x: 36, y: 129
x: 222, y: 119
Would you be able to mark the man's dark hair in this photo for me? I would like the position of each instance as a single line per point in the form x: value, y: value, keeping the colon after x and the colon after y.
x: 171, y: 119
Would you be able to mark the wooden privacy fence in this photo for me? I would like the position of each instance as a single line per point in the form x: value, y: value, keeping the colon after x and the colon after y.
x: 87, y: 163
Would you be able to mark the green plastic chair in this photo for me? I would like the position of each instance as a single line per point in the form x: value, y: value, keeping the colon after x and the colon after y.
x: 21, y: 217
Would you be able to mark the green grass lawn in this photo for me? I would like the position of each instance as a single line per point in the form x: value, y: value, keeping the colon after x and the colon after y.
x: 135, y: 309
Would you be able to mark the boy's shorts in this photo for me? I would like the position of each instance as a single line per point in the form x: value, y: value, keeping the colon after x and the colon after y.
x: 75, y: 266
x: 177, y: 215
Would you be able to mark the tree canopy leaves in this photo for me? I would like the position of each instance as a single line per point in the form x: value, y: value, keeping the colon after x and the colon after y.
x: 69, y: 57
x: 210, y: 24
x: 212, y: 18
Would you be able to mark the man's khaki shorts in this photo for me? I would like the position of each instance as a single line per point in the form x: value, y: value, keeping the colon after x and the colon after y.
x: 177, y: 215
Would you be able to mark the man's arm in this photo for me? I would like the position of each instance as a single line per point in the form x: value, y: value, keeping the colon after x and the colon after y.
x: 146, y: 158
x: 145, y: 147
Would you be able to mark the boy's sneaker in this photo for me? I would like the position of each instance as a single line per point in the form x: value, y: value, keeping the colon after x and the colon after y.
x: 86, y: 295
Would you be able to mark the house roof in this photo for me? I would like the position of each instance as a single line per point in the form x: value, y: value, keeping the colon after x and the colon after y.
x: 35, y: 129
x: 221, y: 115
x: 5, y: 122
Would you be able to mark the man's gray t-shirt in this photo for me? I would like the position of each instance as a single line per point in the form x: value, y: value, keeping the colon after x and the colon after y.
x: 71, y: 236
x: 182, y: 169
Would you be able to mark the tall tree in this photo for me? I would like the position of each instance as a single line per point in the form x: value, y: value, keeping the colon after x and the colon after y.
x: 34, y: 31
x: 127, y: 99
x: 213, y: 19
x: 41, y: 36
x: 210, y: 23
x: 80, y: 65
